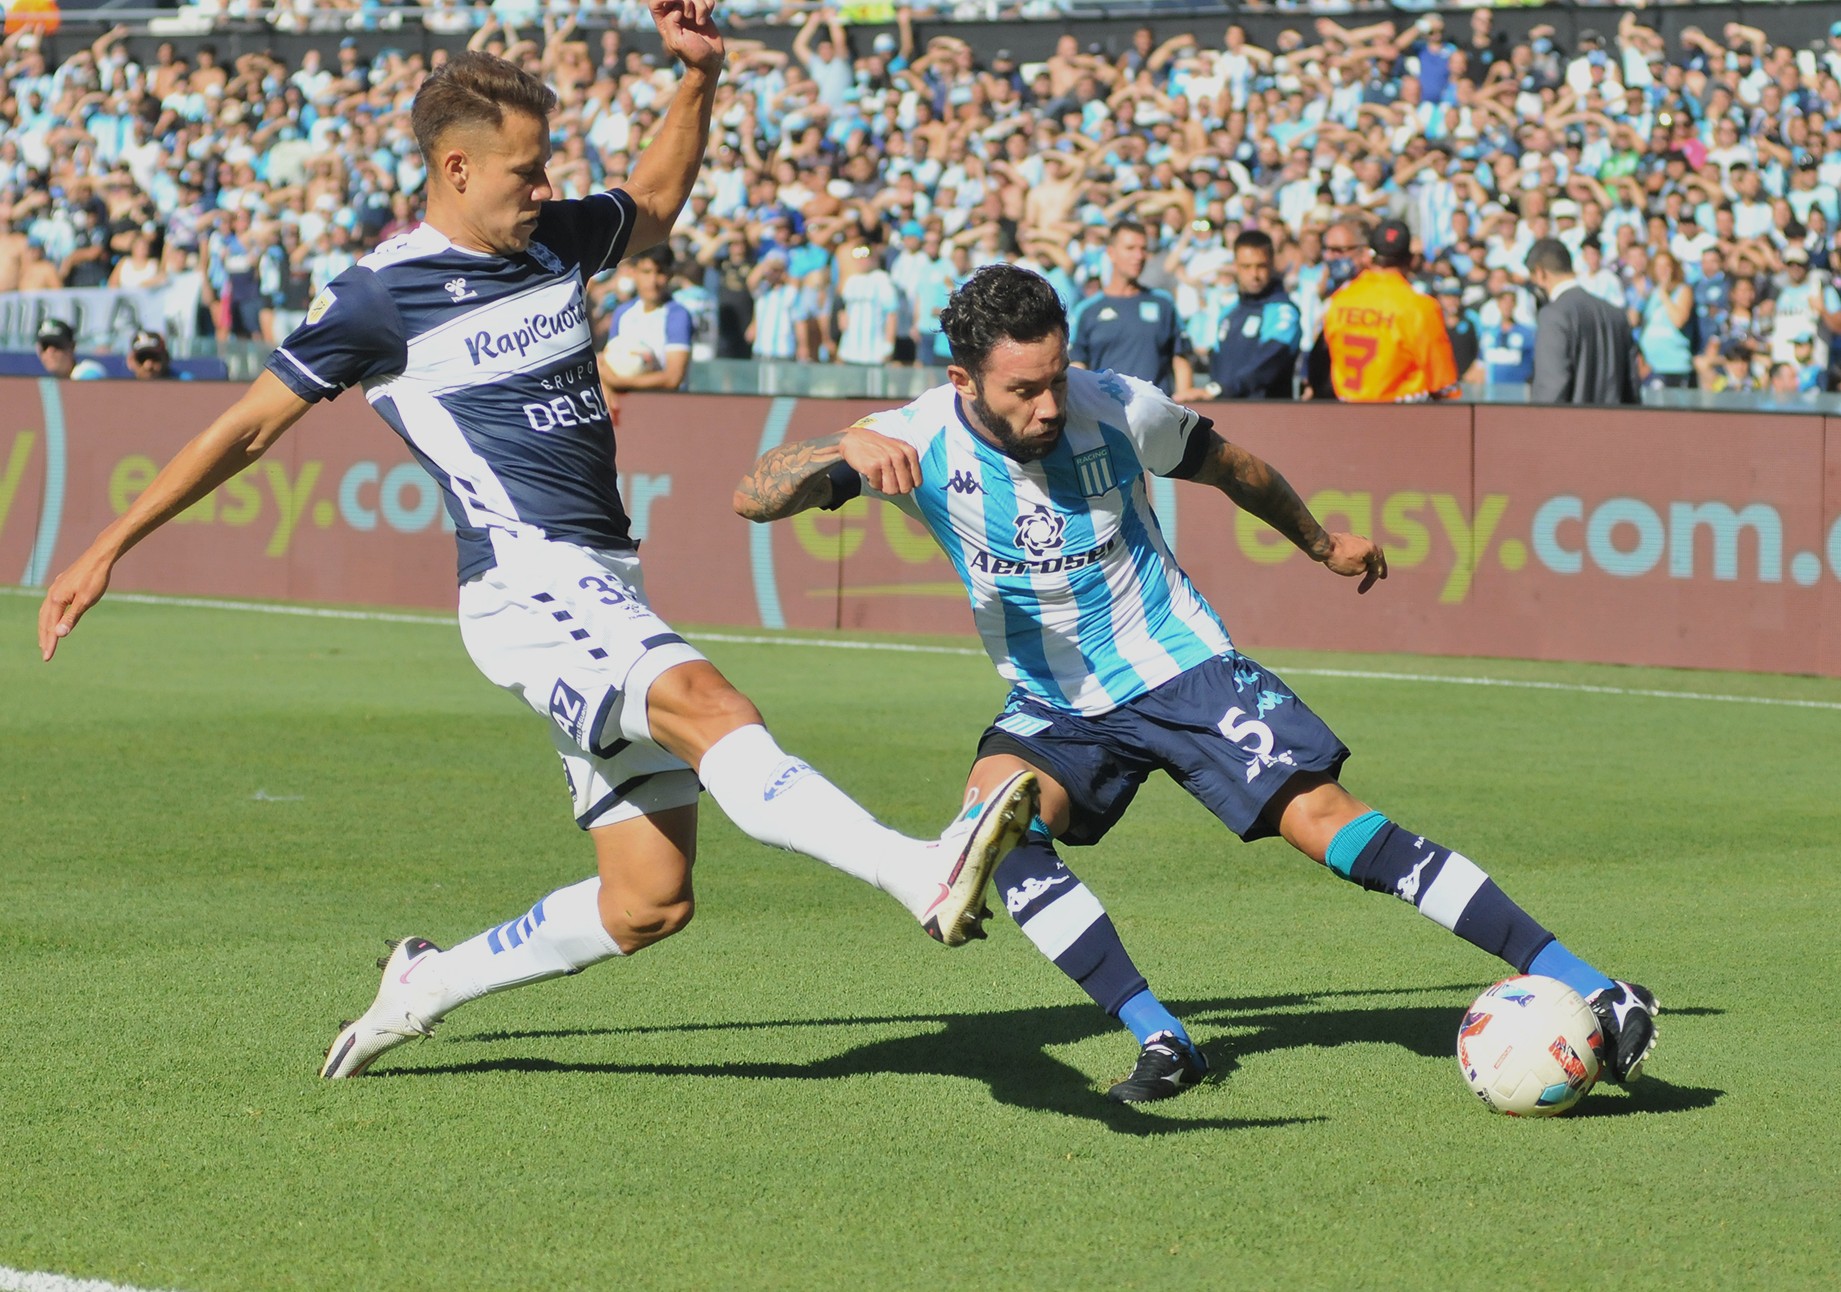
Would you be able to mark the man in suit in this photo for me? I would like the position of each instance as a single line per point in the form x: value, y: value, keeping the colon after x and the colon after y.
x: 1584, y: 352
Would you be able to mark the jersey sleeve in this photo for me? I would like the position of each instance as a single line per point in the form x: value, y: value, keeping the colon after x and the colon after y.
x: 594, y: 230
x: 352, y: 333
x: 1167, y: 436
x: 898, y: 424
x: 678, y: 327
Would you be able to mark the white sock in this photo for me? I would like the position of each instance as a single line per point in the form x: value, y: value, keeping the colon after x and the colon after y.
x: 562, y: 934
x: 781, y: 801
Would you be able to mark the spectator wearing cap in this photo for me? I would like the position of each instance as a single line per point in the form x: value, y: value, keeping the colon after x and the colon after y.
x: 57, y: 351
x: 148, y: 359
x: 1584, y: 352
x: 1384, y: 341
x: 1461, y: 327
x: 912, y: 267
x: 1255, y: 355
x: 1128, y: 328
x: 1803, y: 300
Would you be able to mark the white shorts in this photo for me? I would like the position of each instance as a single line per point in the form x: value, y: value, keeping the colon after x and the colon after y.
x: 567, y: 630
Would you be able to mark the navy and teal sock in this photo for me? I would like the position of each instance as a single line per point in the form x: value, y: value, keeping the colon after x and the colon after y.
x: 1451, y: 890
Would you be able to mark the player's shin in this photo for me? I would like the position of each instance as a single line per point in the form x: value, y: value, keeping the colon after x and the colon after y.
x: 561, y: 934
x: 1451, y: 890
x: 1068, y: 925
x: 784, y: 802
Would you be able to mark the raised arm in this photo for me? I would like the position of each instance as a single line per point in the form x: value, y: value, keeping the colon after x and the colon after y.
x: 668, y: 167
x: 796, y: 477
x: 1261, y: 491
x: 235, y: 440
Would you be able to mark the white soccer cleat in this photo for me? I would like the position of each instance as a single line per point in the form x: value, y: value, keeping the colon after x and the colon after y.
x: 398, y: 1014
x: 970, y: 850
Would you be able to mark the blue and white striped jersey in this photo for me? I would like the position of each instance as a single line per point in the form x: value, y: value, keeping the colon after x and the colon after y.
x: 485, y: 365
x: 1076, y: 594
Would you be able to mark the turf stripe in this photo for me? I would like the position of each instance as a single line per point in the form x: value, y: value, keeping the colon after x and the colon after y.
x: 911, y: 648
x: 12, y: 1280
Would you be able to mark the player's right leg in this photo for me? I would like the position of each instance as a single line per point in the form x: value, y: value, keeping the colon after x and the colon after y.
x: 641, y: 894
x: 784, y: 802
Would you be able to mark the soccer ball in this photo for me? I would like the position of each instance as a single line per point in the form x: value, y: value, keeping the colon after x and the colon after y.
x: 1529, y: 1047
x: 626, y: 357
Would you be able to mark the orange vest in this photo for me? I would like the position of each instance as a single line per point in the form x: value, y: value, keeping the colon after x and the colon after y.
x: 1387, y: 342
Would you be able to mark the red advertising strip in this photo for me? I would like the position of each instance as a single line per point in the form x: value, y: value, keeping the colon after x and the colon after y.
x: 24, y: 453
x: 1398, y: 474
x: 1706, y: 540
x: 1651, y: 537
x: 1829, y: 662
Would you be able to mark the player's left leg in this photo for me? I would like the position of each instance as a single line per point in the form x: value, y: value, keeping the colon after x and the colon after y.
x: 640, y: 895
x: 1324, y: 821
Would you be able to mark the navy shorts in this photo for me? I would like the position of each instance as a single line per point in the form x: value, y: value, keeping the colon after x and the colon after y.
x: 1228, y: 731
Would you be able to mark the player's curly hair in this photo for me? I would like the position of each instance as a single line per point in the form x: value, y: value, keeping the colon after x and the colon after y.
x: 474, y: 87
x: 1000, y: 303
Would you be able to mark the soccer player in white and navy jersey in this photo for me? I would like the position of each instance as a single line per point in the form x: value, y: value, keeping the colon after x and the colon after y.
x: 1032, y: 477
x: 469, y: 336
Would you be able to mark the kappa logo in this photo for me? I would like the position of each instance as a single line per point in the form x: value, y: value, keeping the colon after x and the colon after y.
x: 963, y: 482
x: 1407, y: 890
x: 1040, y: 531
x: 1031, y: 888
x: 545, y: 257
x: 458, y: 289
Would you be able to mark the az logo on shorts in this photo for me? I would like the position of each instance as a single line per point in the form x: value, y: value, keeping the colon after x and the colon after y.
x: 569, y: 710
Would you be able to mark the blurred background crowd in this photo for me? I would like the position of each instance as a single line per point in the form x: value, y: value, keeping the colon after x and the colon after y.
x: 860, y: 170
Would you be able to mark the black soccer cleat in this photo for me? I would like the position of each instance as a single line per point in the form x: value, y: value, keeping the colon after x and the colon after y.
x: 1167, y: 1066
x: 1627, y: 1023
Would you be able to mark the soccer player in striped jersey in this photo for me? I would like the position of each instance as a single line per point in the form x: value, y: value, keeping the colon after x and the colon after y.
x: 469, y: 336
x: 1032, y: 477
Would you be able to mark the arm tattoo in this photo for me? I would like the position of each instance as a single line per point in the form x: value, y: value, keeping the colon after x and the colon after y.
x: 1255, y: 487
x: 789, y: 479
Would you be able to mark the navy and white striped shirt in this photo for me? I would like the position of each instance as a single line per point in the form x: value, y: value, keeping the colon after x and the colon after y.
x: 484, y: 364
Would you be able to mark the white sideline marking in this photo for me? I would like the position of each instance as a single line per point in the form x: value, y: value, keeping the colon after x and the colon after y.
x: 12, y: 1280
x: 909, y: 648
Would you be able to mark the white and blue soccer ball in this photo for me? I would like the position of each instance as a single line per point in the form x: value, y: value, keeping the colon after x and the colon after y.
x: 1528, y: 1047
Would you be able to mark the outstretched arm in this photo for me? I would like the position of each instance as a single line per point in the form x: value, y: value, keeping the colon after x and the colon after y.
x: 668, y: 167
x: 796, y: 477
x: 224, y: 448
x: 1256, y: 488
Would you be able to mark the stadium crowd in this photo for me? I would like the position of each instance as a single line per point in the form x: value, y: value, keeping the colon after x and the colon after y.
x: 854, y: 180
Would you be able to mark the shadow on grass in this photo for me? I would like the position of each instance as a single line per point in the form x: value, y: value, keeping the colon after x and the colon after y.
x: 1008, y: 1051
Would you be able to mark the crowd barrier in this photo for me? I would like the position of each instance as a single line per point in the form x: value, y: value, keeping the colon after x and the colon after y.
x: 1684, y: 539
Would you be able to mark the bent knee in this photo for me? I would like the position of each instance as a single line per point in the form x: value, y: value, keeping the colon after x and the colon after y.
x: 637, y: 925
x: 691, y: 707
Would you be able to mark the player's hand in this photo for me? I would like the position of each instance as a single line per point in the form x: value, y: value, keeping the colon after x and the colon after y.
x: 1351, y: 554
x: 71, y: 594
x: 689, y: 32
x: 891, y: 466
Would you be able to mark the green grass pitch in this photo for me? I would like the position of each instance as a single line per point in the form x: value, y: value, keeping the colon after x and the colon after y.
x: 212, y: 819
